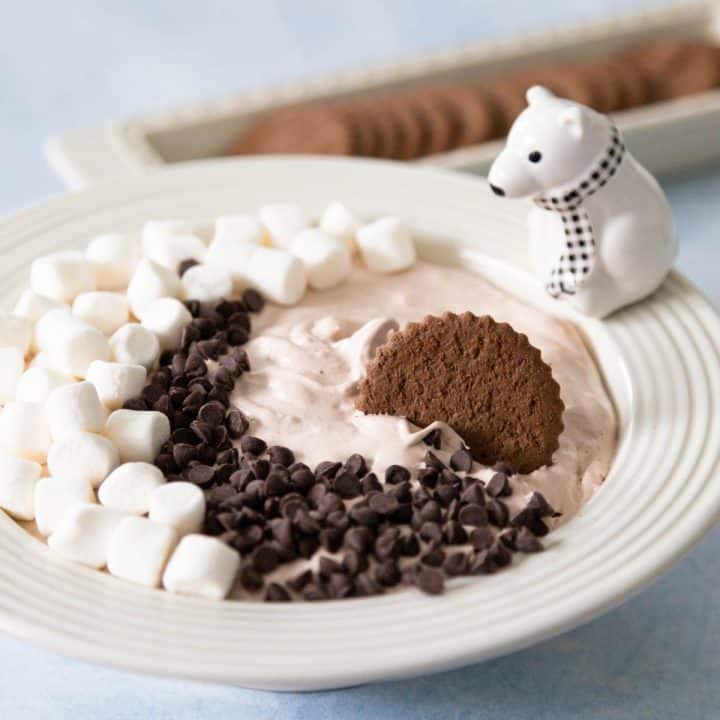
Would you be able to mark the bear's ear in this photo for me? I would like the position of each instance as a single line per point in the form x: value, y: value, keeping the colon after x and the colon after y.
x: 573, y: 118
x: 538, y: 93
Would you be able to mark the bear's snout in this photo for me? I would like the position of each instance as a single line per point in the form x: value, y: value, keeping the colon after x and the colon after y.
x: 497, y: 190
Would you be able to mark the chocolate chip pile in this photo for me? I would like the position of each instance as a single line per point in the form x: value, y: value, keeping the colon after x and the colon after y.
x: 438, y: 118
x: 415, y: 528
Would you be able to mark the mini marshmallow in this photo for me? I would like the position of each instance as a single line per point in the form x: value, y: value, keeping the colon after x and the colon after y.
x: 238, y: 228
x: 36, y: 384
x: 74, y: 345
x: 116, y: 382
x: 83, y: 534
x: 179, y: 504
x: 278, y: 275
x: 75, y: 407
x: 139, y: 549
x: 201, y: 566
x: 12, y: 364
x: 114, y: 257
x: 283, y: 222
x: 24, y: 430
x: 170, y: 250
x: 49, y: 325
x: 339, y: 222
x: 33, y: 306
x: 54, y: 496
x: 206, y: 283
x: 62, y: 276
x: 167, y: 318
x: 138, y: 434
x: 386, y: 245
x: 83, y: 455
x: 135, y: 345
x: 129, y: 487
x: 326, y: 258
x: 15, y: 331
x: 233, y: 255
x: 107, y: 311
x: 42, y: 360
x: 154, y: 229
x: 18, y: 478
x: 149, y: 282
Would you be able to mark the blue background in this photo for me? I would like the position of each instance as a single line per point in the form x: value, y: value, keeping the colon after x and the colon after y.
x: 81, y: 62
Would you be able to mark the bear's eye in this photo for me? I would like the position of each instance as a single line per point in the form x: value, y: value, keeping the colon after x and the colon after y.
x: 535, y: 156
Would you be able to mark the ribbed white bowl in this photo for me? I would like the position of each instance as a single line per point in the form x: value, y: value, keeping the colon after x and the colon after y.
x: 661, y: 361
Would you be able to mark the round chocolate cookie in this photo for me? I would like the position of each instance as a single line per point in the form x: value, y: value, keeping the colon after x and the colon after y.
x: 508, y: 98
x: 436, y: 120
x: 481, y: 377
x: 407, y: 126
x: 563, y: 81
x: 376, y: 127
x: 311, y: 129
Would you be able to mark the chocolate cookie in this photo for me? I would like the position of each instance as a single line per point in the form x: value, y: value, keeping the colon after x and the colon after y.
x: 407, y: 126
x: 481, y: 377
x: 436, y: 120
x: 313, y: 129
x: 473, y: 113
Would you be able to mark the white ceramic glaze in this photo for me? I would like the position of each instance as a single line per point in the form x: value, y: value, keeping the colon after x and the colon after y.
x: 660, y: 359
x: 601, y: 234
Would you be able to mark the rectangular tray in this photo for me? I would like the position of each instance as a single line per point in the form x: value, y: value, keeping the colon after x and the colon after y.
x: 667, y: 137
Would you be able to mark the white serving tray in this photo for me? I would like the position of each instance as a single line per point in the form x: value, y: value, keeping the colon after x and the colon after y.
x: 666, y: 137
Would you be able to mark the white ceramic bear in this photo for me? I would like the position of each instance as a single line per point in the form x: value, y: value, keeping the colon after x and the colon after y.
x: 601, y: 234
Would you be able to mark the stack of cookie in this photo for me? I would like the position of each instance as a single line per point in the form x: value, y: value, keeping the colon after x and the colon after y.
x: 439, y: 118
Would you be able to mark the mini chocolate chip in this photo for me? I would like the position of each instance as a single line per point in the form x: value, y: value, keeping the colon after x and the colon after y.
x: 354, y: 562
x: 347, y: 486
x: 461, y: 460
x: 356, y: 465
x: 204, y: 431
x: 277, y: 483
x: 327, y: 470
x: 473, y: 495
x: 409, y: 545
x: 302, y: 480
x: 430, y: 581
x: 528, y: 519
x: 210, y: 349
x: 166, y: 463
x: 212, y: 413
x: 473, y: 515
x: 152, y: 393
x: 228, y: 457
x: 137, y: 403
x: 201, y: 475
x: 193, y: 306
x: 428, y: 477
x: 431, y: 532
x: 194, y: 400
x: 433, y: 461
x: 223, y: 378
x: 481, y: 563
x: 183, y: 453
x: 330, y: 502
x: 500, y: 555
x: 340, y: 586
x: 365, y: 586
x: 456, y: 564
x: 253, y: 445
x: 251, y: 579
x: 481, y: 538
x: 281, y: 455
x: 527, y: 543
x: 304, y: 522
x: 433, y: 438
x: 497, y: 513
x: 291, y: 503
x: 402, y: 492
x: 253, y: 300
x: 387, y: 573
x: 195, y: 367
x: 276, y: 593
x: 364, y: 516
x: 396, y: 474
x: 307, y: 545
x: 338, y: 519
x: 371, y: 483
x: 359, y: 539
x: 236, y: 423
x: 265, y: 559
x: 539, y: 505
x: 509, y: 538
x: 434, y: 557
x: 241, y: 478
x: 184, y: 435
x: 431, y: 511
x: 327, y: 566
x: 454, y: 533
x: 331, y: 539
x: 385, y: 504
x: 314, y: 591
x: 498, y: 486
x: 445, y: 494
x: 505, y: 468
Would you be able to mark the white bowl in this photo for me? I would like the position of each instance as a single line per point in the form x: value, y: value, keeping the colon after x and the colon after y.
x: 660, y: 360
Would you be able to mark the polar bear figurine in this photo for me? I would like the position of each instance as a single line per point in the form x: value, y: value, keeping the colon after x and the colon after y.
x: 601, y: 233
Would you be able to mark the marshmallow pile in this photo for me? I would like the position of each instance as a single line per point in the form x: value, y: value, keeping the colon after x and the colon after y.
x: 83, y: 338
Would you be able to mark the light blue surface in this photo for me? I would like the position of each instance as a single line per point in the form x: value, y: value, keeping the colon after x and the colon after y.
x: 66, y: 64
